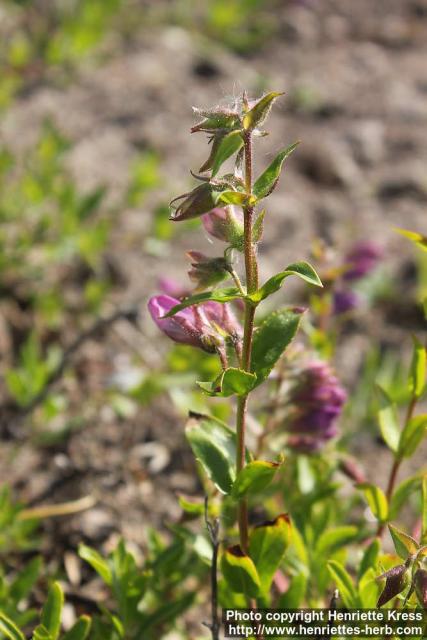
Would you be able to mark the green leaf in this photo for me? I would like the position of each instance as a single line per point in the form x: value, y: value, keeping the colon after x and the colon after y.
x: 333, y: 539
x: 214, y: 446
x: 271, y: 339
x: 51, y: 612
x: 80, y: 630
x: 254, y: 477
x: 97, y: 562
x: 404, y: 544
x: 417, y: 372
x: 258, y: 227
x: 193, y: 507
x: 25, y: 580
x: 388, y: 420
x: 230, y: 382
x: 303, y: 270
x: 219, y: 295
x: 239, y: 571
x: 268, y: 180
x: 344, y: 583
x: 267, y: 545
x: 412, y: 435
x: 229, y: 144
x: 424, y: 512
x: 9, y: 628
x: 370, y: 557
x: 376, y: 500
x: 295, y: 595
x: 41, y: 633
x: 256, y: 116
x: 402, y: 493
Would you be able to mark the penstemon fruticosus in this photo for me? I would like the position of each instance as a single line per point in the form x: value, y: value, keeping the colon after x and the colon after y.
x: 228, y: 206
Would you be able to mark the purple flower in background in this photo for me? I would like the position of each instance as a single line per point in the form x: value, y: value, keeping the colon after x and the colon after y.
x: 345, y: 300
x: 316, y: 401
x: 172, y: 288
x: 362, y: 259
x: 204, y: 326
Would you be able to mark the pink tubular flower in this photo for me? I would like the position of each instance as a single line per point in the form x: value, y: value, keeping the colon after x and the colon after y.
x: 316, y: 401
x: 204, y: 326
x: 226, y: 224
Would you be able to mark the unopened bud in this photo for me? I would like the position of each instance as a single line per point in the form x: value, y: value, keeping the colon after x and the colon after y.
x: 206, y: 272
x: 226, y: 224
x: 396, y: 580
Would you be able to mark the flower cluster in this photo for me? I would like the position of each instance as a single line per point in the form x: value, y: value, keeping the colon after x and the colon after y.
x: 359, y: 262
x: 205, y: 326
x: 315, y: 401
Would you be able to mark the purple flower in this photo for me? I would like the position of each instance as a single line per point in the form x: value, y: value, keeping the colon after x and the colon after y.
x: 172, y: 288
x: 362, y: 259
x: 345, y: 300
x: 204, y: 326
x: 315, y: 402
x: 226, y: 224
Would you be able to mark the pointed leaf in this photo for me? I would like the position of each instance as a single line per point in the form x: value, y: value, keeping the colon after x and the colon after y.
x: 370, y: 557
x: 402, y: 493
x: 9, y: 628
x: 267, y: 545
x: 51, y: 612
x: 219, y: 295
x: 254, y: 477
x: 416, y: 238
x: 41, y: 633
x: 256, y: 116
x: 412, y: 435
x: 344, y: 583
x: 267, y: 181
x: 404, y: 544
x: 79, y: 630
x: 97, y: 562
x: 376, y: 500
x: 335, y: 538
x: 271, y: 339
x: 303, y: 270
x: 230, y: 144
x: 417, y: 373
x: 258, y: 227
x: 214, y: 446
x: 230, y: 382
x: 239, y: 571
x: 388, y: 420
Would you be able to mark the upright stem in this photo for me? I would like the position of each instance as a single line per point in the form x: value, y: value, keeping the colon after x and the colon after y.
x: 251, y: 268
x: 396, y: 464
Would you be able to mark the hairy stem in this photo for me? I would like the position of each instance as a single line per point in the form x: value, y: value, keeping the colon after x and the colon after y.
x: 396, y: 465
x: 251, y: 269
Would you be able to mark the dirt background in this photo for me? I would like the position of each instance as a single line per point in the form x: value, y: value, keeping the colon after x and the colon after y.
x: 355, y: 76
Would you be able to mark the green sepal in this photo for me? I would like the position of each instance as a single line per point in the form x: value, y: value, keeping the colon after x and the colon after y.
x: 235, y: 197
x: 303, y: 270
x: 404, y: 544
x: 376, y: 499
x: 228, y: 145
x: 267, y: 545
x: 231, y: 381
x: 254, y: 477
x: 258, y: 114
x: 271, y: 339
x: 267, y: 181
x: 240, y: 572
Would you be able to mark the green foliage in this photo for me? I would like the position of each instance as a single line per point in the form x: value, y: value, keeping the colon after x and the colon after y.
x: 301, y: 269
x: 267, y: 545
x: 267, y: 181
x: 254, y: 478
x: 240, y: 572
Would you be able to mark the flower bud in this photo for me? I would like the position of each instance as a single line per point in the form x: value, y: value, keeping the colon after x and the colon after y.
x: 345, y: 300
x: 206, y: 272
x: 349, y: 467
x: 396, y: 580
x: 194, y: 204
x: 420, y: 583
x: 226, y: 224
